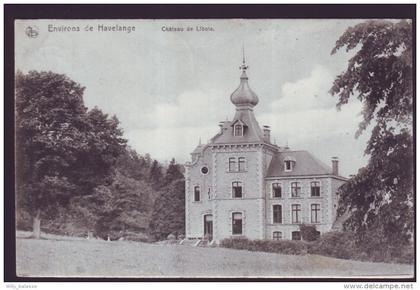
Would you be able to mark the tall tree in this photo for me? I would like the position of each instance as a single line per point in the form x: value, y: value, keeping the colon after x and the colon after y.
x: 380, y: 197
x: 156, y: 178
x: 169, y: 211
x: 173, y: 172
x: 133, y: 165
x: 62, y: 149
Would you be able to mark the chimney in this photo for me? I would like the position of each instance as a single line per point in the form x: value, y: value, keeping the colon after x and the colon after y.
x: 334, y: 161
x: 223, y: 125
x: 266, y: 130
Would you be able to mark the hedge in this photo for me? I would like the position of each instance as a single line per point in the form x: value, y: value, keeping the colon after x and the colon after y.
x: 340, y: 245
x: 284, y: 247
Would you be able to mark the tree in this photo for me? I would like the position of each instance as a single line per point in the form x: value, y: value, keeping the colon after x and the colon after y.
x: 156, y: 175
x: 133, y: 165
x: 62, y: 149
x: 169, y: 211
x: 173, y: 172
x: 380, y: 197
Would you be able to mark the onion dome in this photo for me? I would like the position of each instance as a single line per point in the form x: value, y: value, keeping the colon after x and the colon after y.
x: 243, y: 95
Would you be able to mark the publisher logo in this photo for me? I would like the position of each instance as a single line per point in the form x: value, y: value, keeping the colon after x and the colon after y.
x: 32, y: 31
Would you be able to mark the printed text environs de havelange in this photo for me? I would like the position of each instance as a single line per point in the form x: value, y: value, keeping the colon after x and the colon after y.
x: 123, y: 28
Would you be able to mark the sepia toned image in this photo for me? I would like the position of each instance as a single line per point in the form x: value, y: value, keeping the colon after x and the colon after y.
x: 214, y: 148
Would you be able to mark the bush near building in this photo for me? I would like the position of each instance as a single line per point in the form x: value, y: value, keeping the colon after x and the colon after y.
x: 342, y: 245
x: 283, y: 247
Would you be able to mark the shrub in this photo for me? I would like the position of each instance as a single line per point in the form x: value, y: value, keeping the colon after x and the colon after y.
x: 171, y: 237
x: 344, y: 245
x: 137, y: 237
x: 336, y: 244
x: 309, y: 232
x: 23, y: 220
x: 404, y: 255
x: 282, y: 247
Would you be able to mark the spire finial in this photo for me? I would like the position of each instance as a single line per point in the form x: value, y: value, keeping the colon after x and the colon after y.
x: 243, y: 53
x: 243, y: 67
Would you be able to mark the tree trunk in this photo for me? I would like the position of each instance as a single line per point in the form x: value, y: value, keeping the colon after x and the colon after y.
x: 36, y: 229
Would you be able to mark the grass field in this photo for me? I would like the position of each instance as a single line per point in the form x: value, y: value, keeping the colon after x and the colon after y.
x: 57, y: 257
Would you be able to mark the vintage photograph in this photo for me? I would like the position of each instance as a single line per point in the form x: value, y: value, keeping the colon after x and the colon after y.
x: 214, y: 148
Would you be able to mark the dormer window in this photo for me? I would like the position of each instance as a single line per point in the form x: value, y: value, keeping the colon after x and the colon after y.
x: 238, y: 130
x: 289, y: 163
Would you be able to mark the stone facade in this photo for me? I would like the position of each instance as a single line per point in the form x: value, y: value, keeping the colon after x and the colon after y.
x: 242, y: 156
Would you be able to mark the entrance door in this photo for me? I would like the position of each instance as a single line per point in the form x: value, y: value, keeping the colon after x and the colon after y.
x: 208, y: 225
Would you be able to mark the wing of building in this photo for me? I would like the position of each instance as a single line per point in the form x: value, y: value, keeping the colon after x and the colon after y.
x: 241, y: 184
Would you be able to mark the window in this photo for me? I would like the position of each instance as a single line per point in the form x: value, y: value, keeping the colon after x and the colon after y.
x: 238, y: 130
x: 315, y: 188
x: 237, y: 189
x: 232, y: 164
x: 237, y: 223
x: 241, y: 164
x: 295, y: 186
x: 315, y: 213
x: 288, y: 165
x: 296, y: 236
x: 295, y: 213
x: 196, y: 193
x: 277, y: 215
x: 276, y: 189
x: 204, y: 170
x: 277, y: 236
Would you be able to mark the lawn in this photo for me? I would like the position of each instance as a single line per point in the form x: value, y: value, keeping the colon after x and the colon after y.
x: 57, y: 257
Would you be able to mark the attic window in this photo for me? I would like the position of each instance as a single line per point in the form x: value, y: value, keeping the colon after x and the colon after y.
x: 288, y: 165
x: 238, y: 130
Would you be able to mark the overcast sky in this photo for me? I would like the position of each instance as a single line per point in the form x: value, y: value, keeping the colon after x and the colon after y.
x: 168, y: 89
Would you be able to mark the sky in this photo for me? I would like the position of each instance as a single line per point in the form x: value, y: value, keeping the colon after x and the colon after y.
x: 171, y: 88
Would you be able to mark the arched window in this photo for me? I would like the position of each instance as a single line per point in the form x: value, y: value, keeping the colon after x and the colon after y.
x: 241, y: 164
x: 232, y: 164
x: 277, y: 236
x: 277, y: 213
x: 276, y: 189
x: 196, y: 193
x: 238, y: 130
x: 237, y: 223
x: 237, y: 189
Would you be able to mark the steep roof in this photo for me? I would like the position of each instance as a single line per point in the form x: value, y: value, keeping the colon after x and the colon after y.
x: 252, y: 130
x: 306, y: 164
